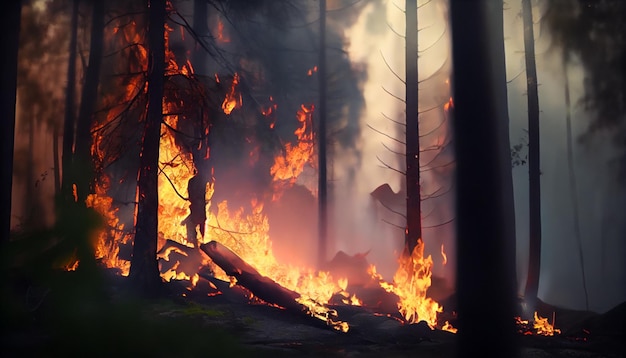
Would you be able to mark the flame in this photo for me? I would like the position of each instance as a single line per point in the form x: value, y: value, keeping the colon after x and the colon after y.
x: 540, y: 326
x: 444, y: 256
x: 410, y: 283
x: 221, y: 36
x: 311, y: 71
x: 543, y: 327
x: 108, y: 240
x: 288, y: 166
x: 233, y: 99
x: 448, y: 327
x: 448, y: 105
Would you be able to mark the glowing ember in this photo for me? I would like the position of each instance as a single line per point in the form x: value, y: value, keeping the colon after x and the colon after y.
x: 233, y: 99
x: 221, y: 36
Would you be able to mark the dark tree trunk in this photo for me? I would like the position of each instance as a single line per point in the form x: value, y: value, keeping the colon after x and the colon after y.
x: 69, y: 122
x: 534, y: 250
x: 321, y: 137
x: 82, y: 168
x: 55, y: 160
x: 483, y: 256
x: 413, y: 232
x: 501, y: 103
x: 144, y: 269
x: 197, y: 184
x: 82, y: 171
x: 201, y: 28
x: 9, y: 35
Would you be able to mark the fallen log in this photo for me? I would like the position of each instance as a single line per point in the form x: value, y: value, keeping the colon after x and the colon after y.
x: 247, y: 276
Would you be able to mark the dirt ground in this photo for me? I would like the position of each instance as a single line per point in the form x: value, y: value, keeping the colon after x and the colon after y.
x: 62, y: 320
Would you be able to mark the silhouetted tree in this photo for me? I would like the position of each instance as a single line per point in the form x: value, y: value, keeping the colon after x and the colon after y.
x: 144, y: 268
x: 413, y: 232
x: 9, y: 34
x: 534, y: 174
x: 82, y: 165
x: 321, y: 139
x: 69, y: 122
x: 484, y: 258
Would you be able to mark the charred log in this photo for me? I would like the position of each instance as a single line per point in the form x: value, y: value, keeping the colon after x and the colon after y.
x: 248, y: 277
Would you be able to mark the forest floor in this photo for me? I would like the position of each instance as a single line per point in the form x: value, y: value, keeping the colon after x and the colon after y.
x: 73, y: 317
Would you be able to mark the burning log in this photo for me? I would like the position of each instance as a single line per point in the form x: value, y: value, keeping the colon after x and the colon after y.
x: 267, y: 289
x: 247, y: 276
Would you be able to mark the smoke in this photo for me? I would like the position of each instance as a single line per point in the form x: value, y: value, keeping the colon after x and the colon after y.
x: 362, y: 224
x: 601, y: 198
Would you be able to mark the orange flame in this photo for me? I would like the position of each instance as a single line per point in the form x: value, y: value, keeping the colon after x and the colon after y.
x: 221, y: 36
x: 289, y: 166
x: 233, y: 99
x: 411, y: 282
x: 444, y: 256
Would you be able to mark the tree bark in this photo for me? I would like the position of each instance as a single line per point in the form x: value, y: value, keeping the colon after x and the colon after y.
x: 144, y: 268
x: 82, y: 166
x: 501, y: 103
x: 483, y: 268
x: 534, y: 175
x: 413, y: 232
x: 321, y: 137
x: 9, y: 36
x: 69, y: 122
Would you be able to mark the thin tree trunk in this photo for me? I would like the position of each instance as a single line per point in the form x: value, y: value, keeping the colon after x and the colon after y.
x: 144, y: 268
x: 82, y: 168
x: 321, y: 137
x: 413, y: 232
x: 55, y: 161
x: 82, y: 171
x: 483, y: 256
x: 501, y: 101
x: 9, y: 36
x: 534, y: 250
x: 574, y: 185
x: 69, y: 122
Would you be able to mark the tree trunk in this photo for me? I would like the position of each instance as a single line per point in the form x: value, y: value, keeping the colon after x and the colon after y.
x: 55, y: 160
x: 483, y: 268
x: 70, y: 109
x: 82, y: 168
x: 534, y: 250
x: 501, y: 103
x: 413, y: 232
x: 144, y: 268
x: 321, y: 137
x: 9, y: 36
x: 574, y: 186
x: 201, y: 28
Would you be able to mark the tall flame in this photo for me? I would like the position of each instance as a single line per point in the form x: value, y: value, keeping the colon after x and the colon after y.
x: 411, y: 282
x: 289, y: 166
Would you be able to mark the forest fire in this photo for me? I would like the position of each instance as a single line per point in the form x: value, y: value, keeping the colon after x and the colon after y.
x: 243, y: 231
x: 255, y: 175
